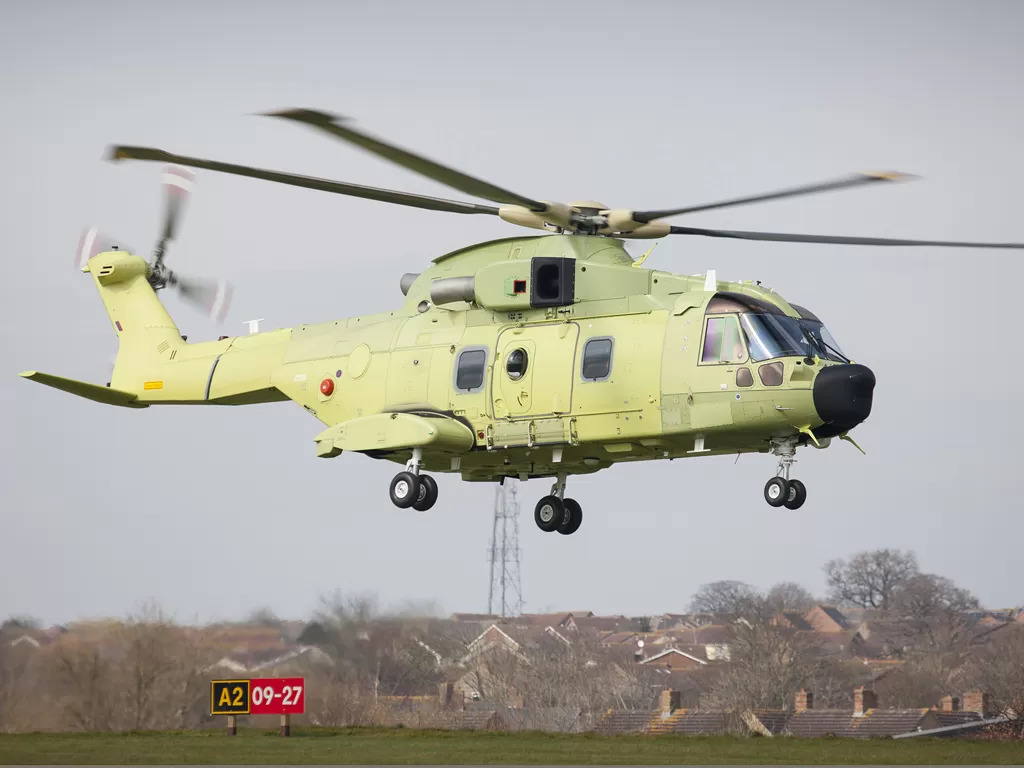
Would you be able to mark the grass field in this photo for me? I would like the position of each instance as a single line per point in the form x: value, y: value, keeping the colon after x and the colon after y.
x: 399, y: 746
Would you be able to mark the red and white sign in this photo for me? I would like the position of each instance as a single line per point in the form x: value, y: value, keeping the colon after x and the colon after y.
x: 277, y: 696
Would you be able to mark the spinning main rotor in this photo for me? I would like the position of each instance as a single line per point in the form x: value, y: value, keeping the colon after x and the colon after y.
x: 588, y: 218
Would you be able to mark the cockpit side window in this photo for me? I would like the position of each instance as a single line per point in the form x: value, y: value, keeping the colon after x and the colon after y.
x: 723, y: 341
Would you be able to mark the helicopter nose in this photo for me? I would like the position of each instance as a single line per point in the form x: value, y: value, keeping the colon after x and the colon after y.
x: 842, y: 397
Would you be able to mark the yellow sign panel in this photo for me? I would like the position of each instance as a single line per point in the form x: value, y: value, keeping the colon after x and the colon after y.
x: 229, y: 697
x: 153, y: 385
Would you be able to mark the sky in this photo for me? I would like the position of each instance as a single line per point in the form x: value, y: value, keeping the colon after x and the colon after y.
x: 214, y: 512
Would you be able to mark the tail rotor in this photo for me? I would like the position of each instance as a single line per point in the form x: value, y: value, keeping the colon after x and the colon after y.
x: 212, y: 297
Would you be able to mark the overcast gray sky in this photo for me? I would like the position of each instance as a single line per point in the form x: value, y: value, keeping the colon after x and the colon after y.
x: 213, y: 512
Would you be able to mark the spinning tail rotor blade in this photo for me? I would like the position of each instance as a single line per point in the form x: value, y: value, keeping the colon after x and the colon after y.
x: 834, y: 239
x: 177, y: 186
x: 469, y: 185
x: 91, y: 242
x: 212, y: 296
x: 309, y: 182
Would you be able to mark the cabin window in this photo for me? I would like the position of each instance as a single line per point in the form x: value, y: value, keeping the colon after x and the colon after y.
x: 469, y: 370
x: 771, y: 374
x: 597, y: 359
x: 744, y: 378
x: 723, y: 341
x: 515, y: 364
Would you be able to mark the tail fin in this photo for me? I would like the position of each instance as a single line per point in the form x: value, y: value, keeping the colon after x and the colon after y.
x: 145, y: 331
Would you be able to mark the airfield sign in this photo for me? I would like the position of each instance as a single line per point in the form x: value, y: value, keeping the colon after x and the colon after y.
x: 229, y: 697
x: 277, y: 696
x: 284, y: 696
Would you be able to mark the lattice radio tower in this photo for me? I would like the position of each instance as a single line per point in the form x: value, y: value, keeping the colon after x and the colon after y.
x: 506, y: 590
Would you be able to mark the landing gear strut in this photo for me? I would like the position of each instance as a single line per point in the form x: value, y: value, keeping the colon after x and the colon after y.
x: 411, y: 489
x: 781, y: 491
x: 554, y: 512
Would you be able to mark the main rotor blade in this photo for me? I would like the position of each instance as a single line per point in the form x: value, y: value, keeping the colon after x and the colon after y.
x: 839, y: 240
x: 855, y: 180
x: 324, y: 185
x: 448, y: 176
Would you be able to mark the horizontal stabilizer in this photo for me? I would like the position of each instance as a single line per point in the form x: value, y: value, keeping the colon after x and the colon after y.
x: 88, y: 391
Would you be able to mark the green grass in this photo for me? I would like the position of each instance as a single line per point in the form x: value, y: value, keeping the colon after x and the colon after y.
x: 397, y: 746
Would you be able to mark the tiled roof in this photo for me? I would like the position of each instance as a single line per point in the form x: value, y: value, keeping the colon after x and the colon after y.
x: 956, y: 718
x: 601, y: 623
x: 624, y: 722
x: 695, y: 722
x: 835, y: 614
x: 686, y: 721
x: 796, y: 621
x: 621, y: 638
x: 671, y: 657
x: 874, y: 722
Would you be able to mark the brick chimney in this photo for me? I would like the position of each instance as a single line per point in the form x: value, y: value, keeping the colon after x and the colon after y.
x: 976, y: 701
x: 803, y: 700
x: 863, y: 699
x: 670, y: 701
x: 949, y: 704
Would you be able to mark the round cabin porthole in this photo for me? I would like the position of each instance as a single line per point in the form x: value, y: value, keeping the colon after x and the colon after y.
x: 515, y: 365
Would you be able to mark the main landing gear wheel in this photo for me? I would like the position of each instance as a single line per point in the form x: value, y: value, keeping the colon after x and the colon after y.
x: 405, y: 490
x: 797, y: 495
x: 549, y: 513
x: 427, y: 494
x: 572, y: 519
x: 776, y: 491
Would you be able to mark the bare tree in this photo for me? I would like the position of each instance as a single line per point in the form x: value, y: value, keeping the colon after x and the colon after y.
x: 870, y: 579
x: 86, y: 673
x: 729, y: 597
x: 926, y: 596
x: 13, y: 665
x: 997, y: 669
x: 263, y: 617
x: 790, y: 596
x: 769, y: 663
x: 146, y: 656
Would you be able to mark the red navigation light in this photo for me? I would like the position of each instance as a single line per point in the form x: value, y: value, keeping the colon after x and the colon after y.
x: 327, y: 387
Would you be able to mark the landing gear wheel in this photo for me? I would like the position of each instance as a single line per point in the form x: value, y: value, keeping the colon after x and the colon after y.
x: 572, y: 519
x: 797, y: 495
x: 427, y: 495
x: 405, y: 490
x: 776, y: 491
x: 549, y: 513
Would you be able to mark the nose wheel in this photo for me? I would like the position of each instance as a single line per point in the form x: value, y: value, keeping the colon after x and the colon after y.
x: 412, y: 489
x: 554, y: 512
x: 781, y: 491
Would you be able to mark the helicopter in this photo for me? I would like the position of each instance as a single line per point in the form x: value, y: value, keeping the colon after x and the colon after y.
x: 533, y: 356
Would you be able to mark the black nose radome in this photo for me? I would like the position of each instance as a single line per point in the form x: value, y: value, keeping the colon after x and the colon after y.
x: 842, y: 397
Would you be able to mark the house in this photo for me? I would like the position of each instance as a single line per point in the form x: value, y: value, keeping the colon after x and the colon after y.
x: 271, y: 662
x: 676, y: 715
x: 793, y: 620
x: 865, y: 720
x: 564, y: 620
x: 673, y: 658
x: 17, y: 636
x: 493, y: 661
x: 868, y: 720
x: 826, y: 618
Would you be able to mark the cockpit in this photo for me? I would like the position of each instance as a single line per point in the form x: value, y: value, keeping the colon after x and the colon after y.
x: 739, y: 328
